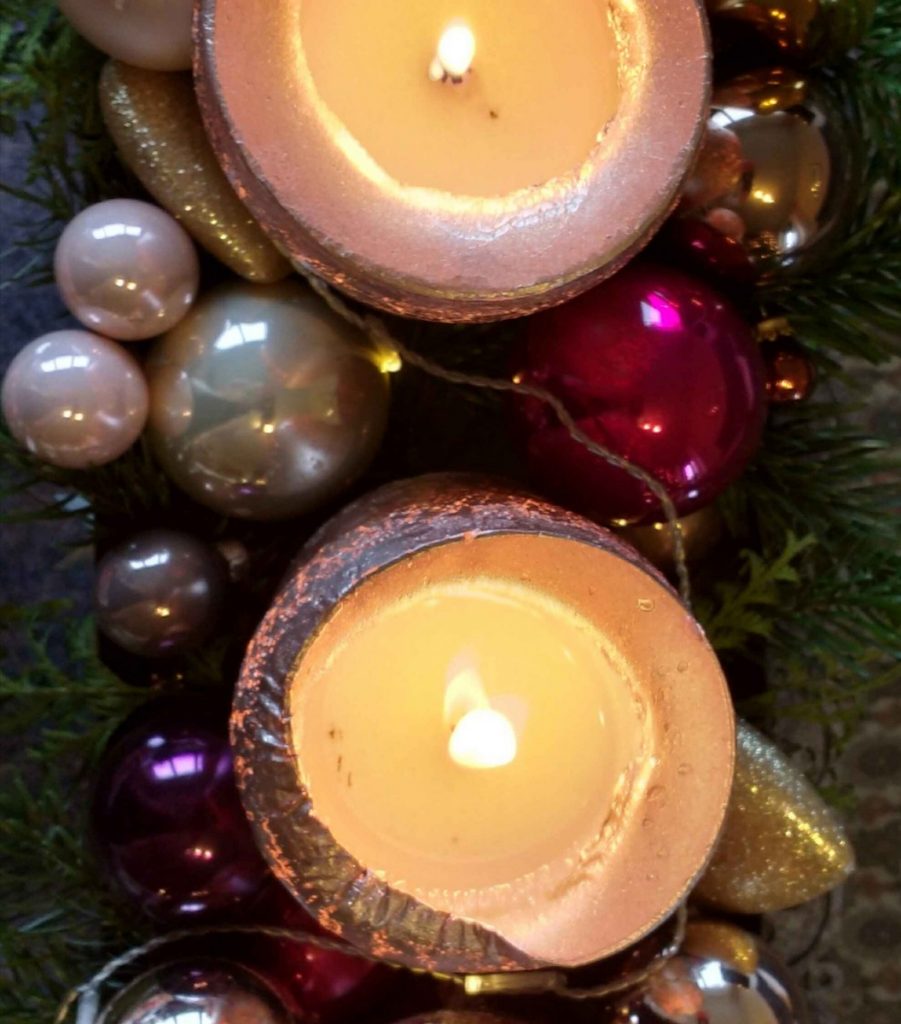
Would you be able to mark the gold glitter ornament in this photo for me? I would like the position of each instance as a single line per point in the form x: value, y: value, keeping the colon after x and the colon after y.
x: 155, y: 122
x: 718, y: 940
x: 780, y: 845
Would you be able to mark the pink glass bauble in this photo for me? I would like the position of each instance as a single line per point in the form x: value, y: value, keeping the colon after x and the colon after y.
x: 74, y: 399
x: 168, y: 818
x: 126, y: 269
x: 656, y: 366
x: 152, y: 34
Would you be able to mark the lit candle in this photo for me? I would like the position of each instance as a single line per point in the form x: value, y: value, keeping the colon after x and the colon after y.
x: 475, y: 733
x: 456, y: 159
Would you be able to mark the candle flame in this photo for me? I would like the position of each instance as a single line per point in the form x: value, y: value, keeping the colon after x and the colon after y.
x: 482, y: 736
x: 456, y: 52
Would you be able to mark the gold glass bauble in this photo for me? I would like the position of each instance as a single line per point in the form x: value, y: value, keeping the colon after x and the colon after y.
x: 790, y: 375
x: 701, y: 532
x: 155, y: 122
x: 811, y: 30
x: 800, y: 168
x: 781, y: 845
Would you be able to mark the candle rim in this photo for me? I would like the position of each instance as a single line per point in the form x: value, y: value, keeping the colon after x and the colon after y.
x: 335, y: 887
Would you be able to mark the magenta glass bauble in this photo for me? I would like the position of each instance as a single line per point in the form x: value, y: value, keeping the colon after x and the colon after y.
x: 168, y: 818
x: 656, y: 366
x: 700, y: 247
x: 322, y: 985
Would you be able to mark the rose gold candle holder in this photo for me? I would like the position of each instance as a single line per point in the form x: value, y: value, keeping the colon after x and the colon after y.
x: 427, y: 253
x: 654, y: 845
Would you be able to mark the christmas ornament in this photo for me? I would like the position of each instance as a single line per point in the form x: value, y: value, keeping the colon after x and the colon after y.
x: 264, y: 403
x: 801, y: 167
x: 717, y: 171
x: 703, y: 247
x: 126, y: 269
x: 168, y: 818
x: 155, y: 122
x: 159, y: 593
x: 656, y: 366
x: 812, y: 30
x: 701, y: 532
x: 74, y: 399
x: 147, y: 33
x: 320, y: 984
x: 790, y: 375
x: 721, y: 976
x: 201, y: 991
x: 780, y: 845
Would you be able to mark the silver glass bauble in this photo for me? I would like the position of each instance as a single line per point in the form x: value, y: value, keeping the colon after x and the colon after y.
x: 800, y: 168
x: 263, y: 403
x: 159, y: 593
x: 721, y: 976
x: 196, y: 992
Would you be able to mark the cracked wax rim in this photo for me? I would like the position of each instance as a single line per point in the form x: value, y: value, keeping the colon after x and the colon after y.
x: 429, y: 254
x: 621, y: 905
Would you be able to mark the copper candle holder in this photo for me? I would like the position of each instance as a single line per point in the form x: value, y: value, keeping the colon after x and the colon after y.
x: 428, y: 253
x: 647, y: 853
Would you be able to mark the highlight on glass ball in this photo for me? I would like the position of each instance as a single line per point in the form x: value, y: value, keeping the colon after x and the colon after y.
x: 160, y: 593
x: 152, y: 34
x: 75, y: 399
x: 126, y: 269
x: 264, y: 403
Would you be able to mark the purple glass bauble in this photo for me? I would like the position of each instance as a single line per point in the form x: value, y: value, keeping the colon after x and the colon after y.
x: 168, y: 818
x: 659, y: 368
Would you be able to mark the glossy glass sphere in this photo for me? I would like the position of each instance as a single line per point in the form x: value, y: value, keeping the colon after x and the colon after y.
x: 168, y: 818
x: 159, y: 593
x: 264, y: 403
x: 126, y: 269
x: 147, y: 33
x: 199, y: 991
x: 657, y: 367
x: 74, y: 399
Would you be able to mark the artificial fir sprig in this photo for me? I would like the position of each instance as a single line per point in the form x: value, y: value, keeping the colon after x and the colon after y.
x: 58, y: 706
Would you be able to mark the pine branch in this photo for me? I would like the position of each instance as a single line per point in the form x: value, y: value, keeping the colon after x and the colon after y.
x: 48, y: 92
x: 747, y: 607
x: 59, y: 705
